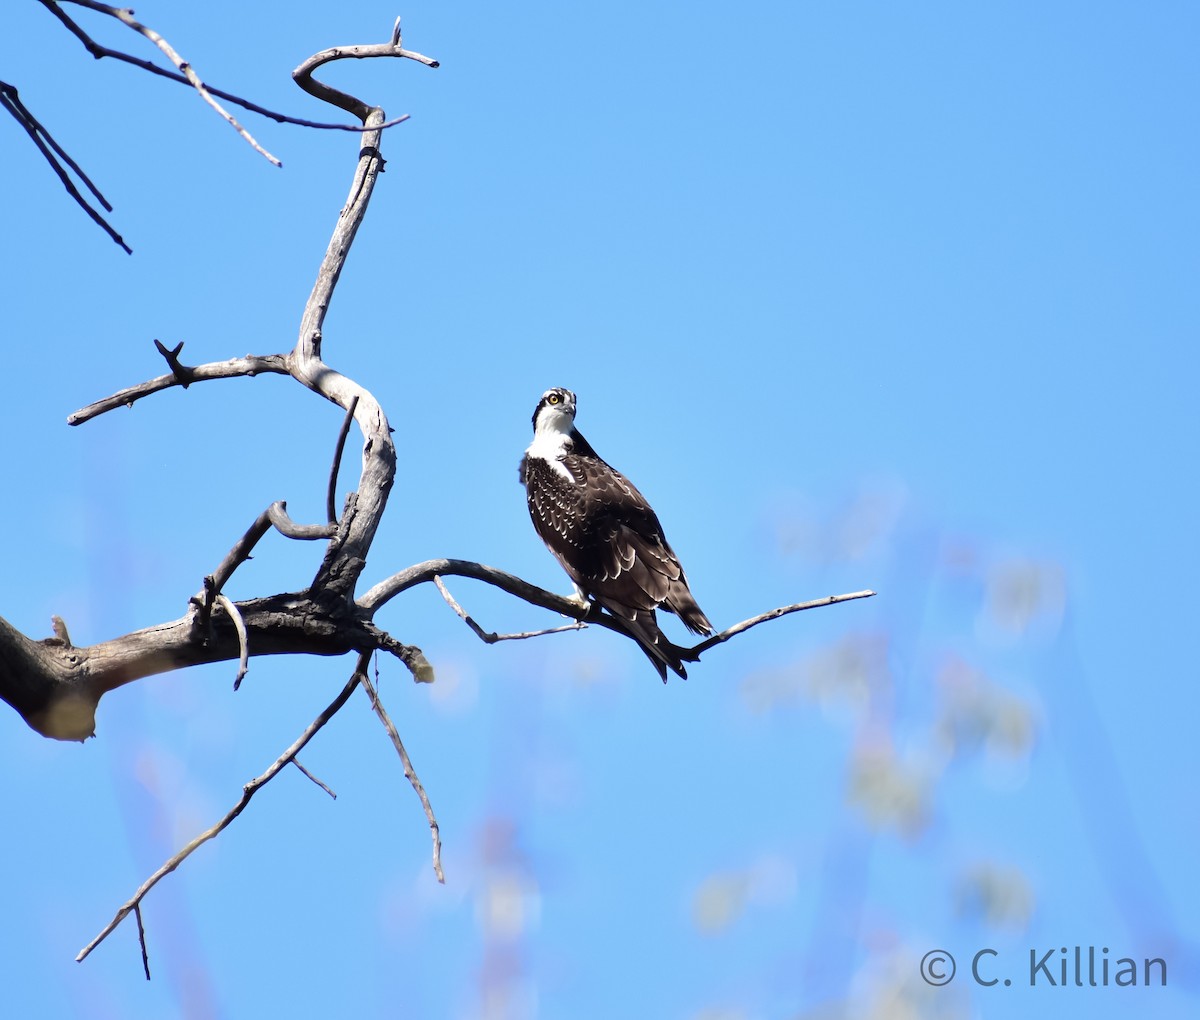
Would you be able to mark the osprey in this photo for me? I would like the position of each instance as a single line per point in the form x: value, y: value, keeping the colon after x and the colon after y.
x: 604, y: 533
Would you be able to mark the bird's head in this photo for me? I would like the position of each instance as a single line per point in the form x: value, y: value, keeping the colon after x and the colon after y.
x: 555, y: 412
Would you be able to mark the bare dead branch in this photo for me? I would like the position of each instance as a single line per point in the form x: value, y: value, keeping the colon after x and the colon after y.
x: 243, y: 639
x: 431, y: 570
x: 412, y: 657
x: 296, y: 762
x: 331, y: 494
x: 125, y: 16
x: 248, y: 791
x: 773, y: 614
x: 491, y: 637
x: 347, y: 554
x: 409, y: 773
x: 250, y: 365
x: 303, y: 74
x: 53, y: 153
x: 275, y: 515
x: 423, y: 572
x: 99, y: 52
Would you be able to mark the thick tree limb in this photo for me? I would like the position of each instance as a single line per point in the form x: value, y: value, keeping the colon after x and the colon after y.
x: 56, y: 689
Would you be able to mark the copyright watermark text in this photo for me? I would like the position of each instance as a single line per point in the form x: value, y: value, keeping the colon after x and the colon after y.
x: 1060, y: 967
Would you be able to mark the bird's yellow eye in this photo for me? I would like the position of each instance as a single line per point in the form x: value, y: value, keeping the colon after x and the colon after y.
x: 554, y: 398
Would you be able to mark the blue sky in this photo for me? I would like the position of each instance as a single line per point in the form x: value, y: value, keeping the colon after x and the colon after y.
x: 860, y: 295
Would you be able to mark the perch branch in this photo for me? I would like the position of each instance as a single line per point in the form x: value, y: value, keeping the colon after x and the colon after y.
x: 248, y: 791
x: 409, y: 773
x: 431, y: 570
x: 53, y: 152
x: 419, y: 573
x: 125, y: 16
x: 491, y: 637
x: 422, y: 572
x: 99, y: 52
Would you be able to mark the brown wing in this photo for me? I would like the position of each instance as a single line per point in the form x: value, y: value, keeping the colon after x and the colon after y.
x: 632, y: 568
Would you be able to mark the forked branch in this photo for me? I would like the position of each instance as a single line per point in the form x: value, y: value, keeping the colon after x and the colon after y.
x: 248, y: 791
x: 183, y: 67
x: 60, y: 162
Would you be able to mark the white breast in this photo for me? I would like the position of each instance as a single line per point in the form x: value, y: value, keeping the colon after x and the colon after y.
x: 550, y: 446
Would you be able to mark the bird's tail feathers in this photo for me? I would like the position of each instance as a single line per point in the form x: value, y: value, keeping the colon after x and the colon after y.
x: 661, y: 652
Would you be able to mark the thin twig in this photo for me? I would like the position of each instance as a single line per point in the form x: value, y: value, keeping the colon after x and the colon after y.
x: 51, y: 151
x: 330, y: 508
x: 409, y: 773
x: 248, y: 791
x: 491, y: 637
x: 773, y: 614
x: 99, y: 51
x: 125, y: 16
x: 296, y: 762
x: 243, y: 639
x: 137, y: 912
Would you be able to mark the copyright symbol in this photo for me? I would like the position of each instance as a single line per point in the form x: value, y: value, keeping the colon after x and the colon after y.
x: 937, y: 967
